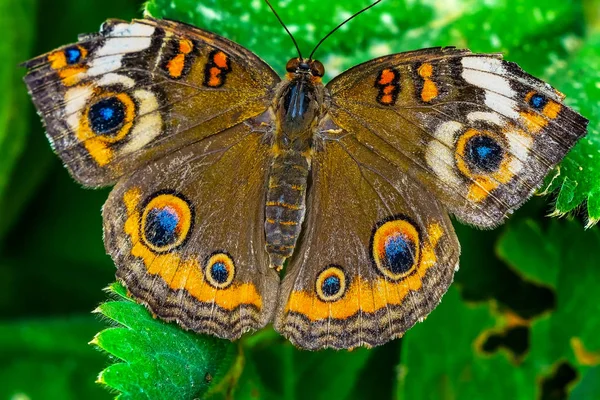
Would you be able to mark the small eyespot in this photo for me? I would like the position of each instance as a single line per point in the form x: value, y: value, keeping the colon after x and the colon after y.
x: 73, y: 55
x: 331, y: 283
x: 292, y: 65
x: 220, y: 270
x: 317, y: 68
x: 395, y: 248
x: 167, y: 221
x: 537, y: 101
x: 107, y: 115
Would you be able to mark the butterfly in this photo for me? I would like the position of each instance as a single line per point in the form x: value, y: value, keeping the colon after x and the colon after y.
x: 224, y: 172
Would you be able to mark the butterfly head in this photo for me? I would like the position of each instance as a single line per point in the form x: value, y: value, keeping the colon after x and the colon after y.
x: 305, y: 67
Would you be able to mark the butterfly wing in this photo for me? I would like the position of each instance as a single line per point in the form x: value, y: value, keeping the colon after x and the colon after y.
x: 137, y: 91
x: 189, y: 243
x: 377, y: 253
x: 476, y: 131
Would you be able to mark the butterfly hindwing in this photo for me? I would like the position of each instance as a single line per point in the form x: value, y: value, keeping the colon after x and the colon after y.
x: 137, y: 91
x: 189, y: 244
x: 476, y: 131
x: 377, y: 253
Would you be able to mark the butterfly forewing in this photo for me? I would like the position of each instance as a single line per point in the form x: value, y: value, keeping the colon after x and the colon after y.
x: 141, y: 90
x: 475, y: 130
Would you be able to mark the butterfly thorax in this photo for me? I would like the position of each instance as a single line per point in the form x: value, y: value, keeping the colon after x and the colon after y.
x: 298, y: 108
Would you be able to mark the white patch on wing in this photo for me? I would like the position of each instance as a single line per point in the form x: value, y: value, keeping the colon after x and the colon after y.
x: 489, y: 82
x: 489, y: 64
x: 440, y: 152
x: 492, y: 117
x: 148, y: 123
x: 111, y: 79
x: 103, y: 65
x: 122, y: 45
x: 76, y: 100
x: 519, y: 146
x: 501, y: 105
x: 135, y: 29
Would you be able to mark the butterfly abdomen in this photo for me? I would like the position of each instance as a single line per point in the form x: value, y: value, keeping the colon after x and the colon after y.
x: 285, y: 206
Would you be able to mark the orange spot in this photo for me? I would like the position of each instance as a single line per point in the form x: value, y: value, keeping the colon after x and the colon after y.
x: 480, y: 189
x: 386, y: 77
x: 533, y: 122
x: 57, y: 60
x: 99, y: 151
x: 185, y: 46
x: 220, y: 60
x: 215, y: 79
x: 425, y: 71
x: 552, y: 109
x: 365, y: 296
x: 70, y: 76
x: 389, y: 89
x: 179, y: 273
x: 430, y: 91
x: 387, y: 99
x: 176, y: 65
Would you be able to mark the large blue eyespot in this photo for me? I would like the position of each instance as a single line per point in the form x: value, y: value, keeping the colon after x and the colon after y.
x: 161, y: 225
x: 484, y: 153
x: 107, y: 116
x: 167, y: 221
x: 73, y: 55
x: 538, y: 101
x: 399, y: 254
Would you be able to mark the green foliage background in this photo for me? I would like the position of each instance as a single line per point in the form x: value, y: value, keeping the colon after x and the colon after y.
x: 521, y: 321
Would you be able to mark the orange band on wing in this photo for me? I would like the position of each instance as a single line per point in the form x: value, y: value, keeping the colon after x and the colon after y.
x: 184, y: 273
x: 364, y: 296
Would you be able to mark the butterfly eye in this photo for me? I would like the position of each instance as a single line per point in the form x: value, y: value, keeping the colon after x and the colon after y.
x: 317, y: 68
x: 293, y: 65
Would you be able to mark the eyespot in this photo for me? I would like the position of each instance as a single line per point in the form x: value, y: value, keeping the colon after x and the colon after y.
x: 73, y: 55
x: 484, y: 153
x: 537, y: 101
x: 395, y: 248
x: 317, y: 68
x: 110, y: 117
x: 331, y: 283
x: 219, y: 270
x: 479, y: 152
x: 167, y: 221
x: 107, y: 115
x: 292, y: 65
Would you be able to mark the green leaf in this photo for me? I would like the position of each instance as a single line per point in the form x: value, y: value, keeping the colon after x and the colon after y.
x: 48, y: 359
x: 578, y: 177
x: 15, y: 46
x: 561, y: 261
x: 159, y: 360
x: 451, y: 354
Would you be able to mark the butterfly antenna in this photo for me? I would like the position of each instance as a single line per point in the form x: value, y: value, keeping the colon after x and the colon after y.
x: 286, y: 29
x: 340, y: 25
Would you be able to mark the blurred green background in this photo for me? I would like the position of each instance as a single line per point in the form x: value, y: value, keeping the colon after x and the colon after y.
x: 521, y: 321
